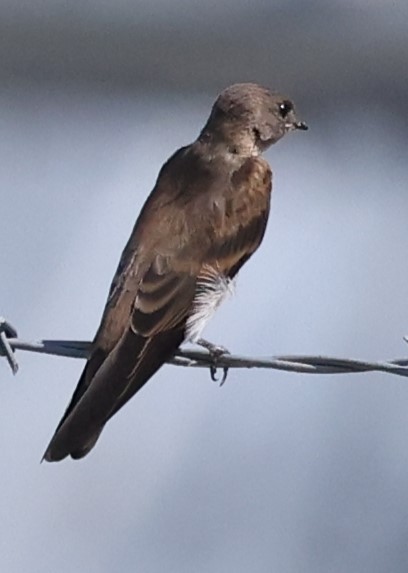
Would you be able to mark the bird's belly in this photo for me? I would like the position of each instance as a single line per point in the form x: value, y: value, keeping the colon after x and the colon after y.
x: 211, y: 291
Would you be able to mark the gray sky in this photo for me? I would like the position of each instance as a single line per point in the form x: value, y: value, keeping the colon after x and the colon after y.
x: 274, y: 471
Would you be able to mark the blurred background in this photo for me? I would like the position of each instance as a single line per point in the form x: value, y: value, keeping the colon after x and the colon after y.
x: 273, y: 471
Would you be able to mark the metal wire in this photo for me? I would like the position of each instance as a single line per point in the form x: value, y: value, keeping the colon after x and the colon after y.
x: 9, y: 343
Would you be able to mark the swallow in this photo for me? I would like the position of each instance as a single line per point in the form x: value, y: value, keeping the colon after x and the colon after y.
x: 205, y: 217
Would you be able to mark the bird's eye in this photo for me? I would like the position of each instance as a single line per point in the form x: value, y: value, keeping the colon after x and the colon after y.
x: 284, y: 108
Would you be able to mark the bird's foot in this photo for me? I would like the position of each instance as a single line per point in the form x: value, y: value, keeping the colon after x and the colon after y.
x: 215, y: 352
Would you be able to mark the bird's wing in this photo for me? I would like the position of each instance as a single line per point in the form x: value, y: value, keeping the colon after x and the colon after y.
x: 151, y: 296
x: 138, y: 333
x: 160, y: 307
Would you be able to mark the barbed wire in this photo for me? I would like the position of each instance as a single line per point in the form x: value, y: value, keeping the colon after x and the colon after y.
x: 9, y: 343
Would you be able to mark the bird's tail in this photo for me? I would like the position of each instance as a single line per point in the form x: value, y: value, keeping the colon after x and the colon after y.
x: 123, y: 372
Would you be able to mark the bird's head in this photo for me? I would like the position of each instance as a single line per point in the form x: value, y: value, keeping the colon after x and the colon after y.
x: 248, y: 118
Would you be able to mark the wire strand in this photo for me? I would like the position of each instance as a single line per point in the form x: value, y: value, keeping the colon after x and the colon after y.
x: 9, y: 343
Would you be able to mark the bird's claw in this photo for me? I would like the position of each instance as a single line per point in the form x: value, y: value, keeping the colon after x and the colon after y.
x: 215, y: 352
x: 213, y: 374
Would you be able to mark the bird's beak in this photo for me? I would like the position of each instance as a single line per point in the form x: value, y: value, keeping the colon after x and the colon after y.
x: 301, y: 125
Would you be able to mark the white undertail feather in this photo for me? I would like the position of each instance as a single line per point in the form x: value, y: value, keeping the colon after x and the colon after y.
x: 212, y: 289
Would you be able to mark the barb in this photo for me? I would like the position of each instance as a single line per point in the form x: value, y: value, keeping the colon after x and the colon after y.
x: 9, y: 343
x: 6, y: 333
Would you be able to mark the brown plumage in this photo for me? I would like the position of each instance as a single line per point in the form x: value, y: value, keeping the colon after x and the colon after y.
x: 205, y: 217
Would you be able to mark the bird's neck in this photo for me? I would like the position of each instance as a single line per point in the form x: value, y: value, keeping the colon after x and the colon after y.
x: 235, y: 148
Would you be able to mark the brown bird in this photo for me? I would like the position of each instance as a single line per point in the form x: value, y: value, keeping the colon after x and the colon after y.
x: 203, y: 220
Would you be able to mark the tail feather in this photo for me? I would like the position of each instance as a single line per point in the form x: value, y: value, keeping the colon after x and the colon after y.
x: 91, y: 367
x: 123, y: 372
x: 87, y: 447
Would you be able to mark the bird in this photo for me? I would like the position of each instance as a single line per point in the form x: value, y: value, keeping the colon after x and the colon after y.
x: 203, y: 220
